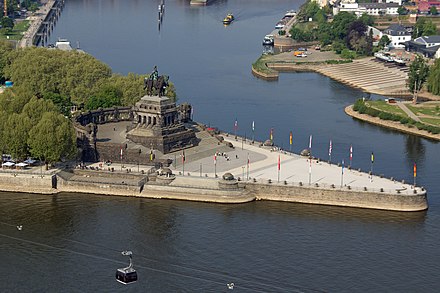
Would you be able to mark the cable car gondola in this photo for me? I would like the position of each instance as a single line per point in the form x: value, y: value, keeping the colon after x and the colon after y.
x: 126, y: 275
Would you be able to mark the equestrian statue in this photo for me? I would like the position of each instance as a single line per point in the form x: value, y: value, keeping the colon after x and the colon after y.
x: 156, y: 84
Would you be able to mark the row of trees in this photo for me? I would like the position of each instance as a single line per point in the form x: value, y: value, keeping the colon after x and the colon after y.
x: 70, y: 78
x: 420, y: 73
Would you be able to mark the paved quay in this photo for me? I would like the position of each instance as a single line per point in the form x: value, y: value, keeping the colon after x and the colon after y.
x: 293, y: 169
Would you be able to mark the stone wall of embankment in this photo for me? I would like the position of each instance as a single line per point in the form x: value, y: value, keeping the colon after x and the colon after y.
x: 339, y: 197
x: 30, y: 183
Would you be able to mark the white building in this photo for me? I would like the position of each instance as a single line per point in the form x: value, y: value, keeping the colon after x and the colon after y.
x: 398, y: 35
x: 368, y: 8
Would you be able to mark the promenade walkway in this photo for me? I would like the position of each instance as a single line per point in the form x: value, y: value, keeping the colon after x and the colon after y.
x: 408, y: 112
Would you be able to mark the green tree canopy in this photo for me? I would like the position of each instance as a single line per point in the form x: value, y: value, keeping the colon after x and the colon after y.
x: 341, y: 23
x: 7, y: 23
x: 384, y: 41
x: 15, y: 135
x: 5, y: 48
x: 71, y: 74
x: 107, y: 96
x: 36, y: 107
x: 434, y: 78
x: 418, y: 73
x: 433, y: 10
x: 53, y: 138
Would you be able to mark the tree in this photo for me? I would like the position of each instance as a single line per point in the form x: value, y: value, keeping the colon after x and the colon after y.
x: 433, y: 10
x: 53, y: 138
x: 36, y: 108
x: 15, y: 135
x: 107, y: 96
x: 367, y: 19
x: 384, y: 41
x: 434, y: 78
x: 357, y: 39
x: 341, y: 23
x: 418, y: 73
x: 5, y: 48
x: 402, y: 10
x: 7, y: 23
x: 429, y: 28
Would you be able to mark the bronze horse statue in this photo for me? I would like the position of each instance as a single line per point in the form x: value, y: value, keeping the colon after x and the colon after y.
x: 156, y: 86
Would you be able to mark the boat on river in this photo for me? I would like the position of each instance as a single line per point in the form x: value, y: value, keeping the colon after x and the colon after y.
x: 228, y: 19
x: 268, y: 40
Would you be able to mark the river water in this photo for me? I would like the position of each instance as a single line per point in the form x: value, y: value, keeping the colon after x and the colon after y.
x: 72, y: 242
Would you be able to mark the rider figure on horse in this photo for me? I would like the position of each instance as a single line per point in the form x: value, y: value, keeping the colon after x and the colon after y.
x: 154, y: 75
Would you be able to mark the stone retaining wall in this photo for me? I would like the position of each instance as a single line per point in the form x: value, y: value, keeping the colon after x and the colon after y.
x: 338, y: 197
x: 29, y: 183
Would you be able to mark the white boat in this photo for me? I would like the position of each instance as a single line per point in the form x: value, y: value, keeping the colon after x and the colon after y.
x: 279, y: 26
x: 268, y: 40
x: 399, y: 61
x: 290, y: 13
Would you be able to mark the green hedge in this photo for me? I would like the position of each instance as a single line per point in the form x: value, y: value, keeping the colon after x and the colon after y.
x: 361, y: 107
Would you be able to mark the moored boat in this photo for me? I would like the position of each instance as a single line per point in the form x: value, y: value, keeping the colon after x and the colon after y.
x: 268, y: 40
x: 228, y: 19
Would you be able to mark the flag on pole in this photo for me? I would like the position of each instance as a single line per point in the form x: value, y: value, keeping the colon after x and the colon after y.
x: 248, y: 161
x: 121, y: 153
x: 151, y: 155
x: 253, y: 125
x: 351, y: 153
x: 271, y: 134
x: 372, y: 157
x: 183, y: 157
x: 415, y: 170
x: 342, y: 167
x: 192, y: 112
x: 330, y: 148
x: 291, y: 138
x: 279, y: 163
x: 310, y: 142
x: 235, y: 124
x: 215, y: 159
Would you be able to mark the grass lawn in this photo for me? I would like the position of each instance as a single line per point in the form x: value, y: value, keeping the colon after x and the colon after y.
x: 386, y: 107
x: 432, y: 121
x: 306, y: 26
x: 17, y: 32
x: 260, y: 65
x: 430, y: 109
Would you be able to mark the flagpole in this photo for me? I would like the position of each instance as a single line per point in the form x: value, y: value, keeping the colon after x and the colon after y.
x: 310, y: 170
x: 330, y: 152
x: 247, y: 169
x: 342, y: 175
x: 215, y: 165
x: 415, y: 174
x: 253, y: 131
x: 279, y: 167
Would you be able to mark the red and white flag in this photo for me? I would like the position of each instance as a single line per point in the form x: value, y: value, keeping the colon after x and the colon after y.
x: 215, y: 159
x: 310, y: 142
x: 330, y: 148
x: 121, y: 153
x: 351, y: 153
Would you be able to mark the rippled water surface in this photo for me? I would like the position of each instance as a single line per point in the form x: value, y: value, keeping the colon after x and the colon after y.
x: 72, y: 242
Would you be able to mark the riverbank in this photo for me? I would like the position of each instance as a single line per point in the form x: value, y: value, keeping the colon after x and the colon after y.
x: 396, y: 125
x: 254, y: 175
x: 365, y: 74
